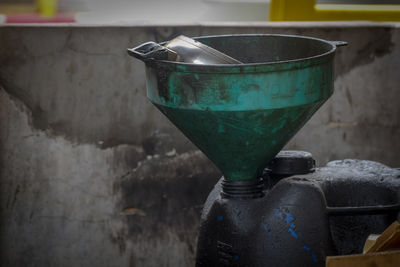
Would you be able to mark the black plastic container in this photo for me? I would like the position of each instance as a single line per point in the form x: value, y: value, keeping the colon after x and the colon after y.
x: 300, y: 220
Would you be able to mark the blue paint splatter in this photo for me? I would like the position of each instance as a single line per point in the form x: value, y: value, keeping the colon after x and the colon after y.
x: 278, y: 213
x: 266, y: 229
x: 314, y: 257
x: 220, y: 218
x: 284, y: 215
x: 289, y: 220
x: 293, y: 233
x: 289, y: 217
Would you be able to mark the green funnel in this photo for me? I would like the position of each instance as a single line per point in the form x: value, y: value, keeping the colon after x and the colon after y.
x: 242, y: 115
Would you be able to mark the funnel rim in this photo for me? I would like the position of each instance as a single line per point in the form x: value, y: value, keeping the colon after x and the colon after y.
x: 249, y: 67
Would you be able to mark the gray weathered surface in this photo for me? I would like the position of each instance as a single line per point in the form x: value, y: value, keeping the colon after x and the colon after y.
x: 91, y: 174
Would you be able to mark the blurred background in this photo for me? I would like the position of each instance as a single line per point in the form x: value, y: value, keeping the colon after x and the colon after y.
x: 180, y: 11
x: 92, y: 174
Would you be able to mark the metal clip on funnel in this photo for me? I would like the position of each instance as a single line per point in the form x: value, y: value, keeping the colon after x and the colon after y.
x: 242, y: 115
x: 182, y: 49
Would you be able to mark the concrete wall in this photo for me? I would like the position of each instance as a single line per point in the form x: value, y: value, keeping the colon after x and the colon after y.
x: 91, y: 174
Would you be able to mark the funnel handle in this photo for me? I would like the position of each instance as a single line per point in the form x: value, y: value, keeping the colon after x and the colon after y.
x: 338, y: 43
x: 151, y: 50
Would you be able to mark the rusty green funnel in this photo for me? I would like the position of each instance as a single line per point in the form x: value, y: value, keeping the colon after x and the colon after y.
x: 242, y: 115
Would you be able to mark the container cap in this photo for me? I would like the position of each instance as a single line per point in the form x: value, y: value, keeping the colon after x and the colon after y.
x: 291, y: 162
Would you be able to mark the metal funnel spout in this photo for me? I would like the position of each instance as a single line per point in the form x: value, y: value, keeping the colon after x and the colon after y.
x: 242, y: 115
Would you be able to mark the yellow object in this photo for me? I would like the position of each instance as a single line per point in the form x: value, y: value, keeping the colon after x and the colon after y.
x: 380, y: 259
x: 308, y: 10
x: 370, y: 242
x: 381, y: 250
x: 388, y: 240
x: 47, y: 8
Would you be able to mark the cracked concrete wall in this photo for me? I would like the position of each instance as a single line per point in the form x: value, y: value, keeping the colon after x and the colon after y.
x: 91, y: 174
